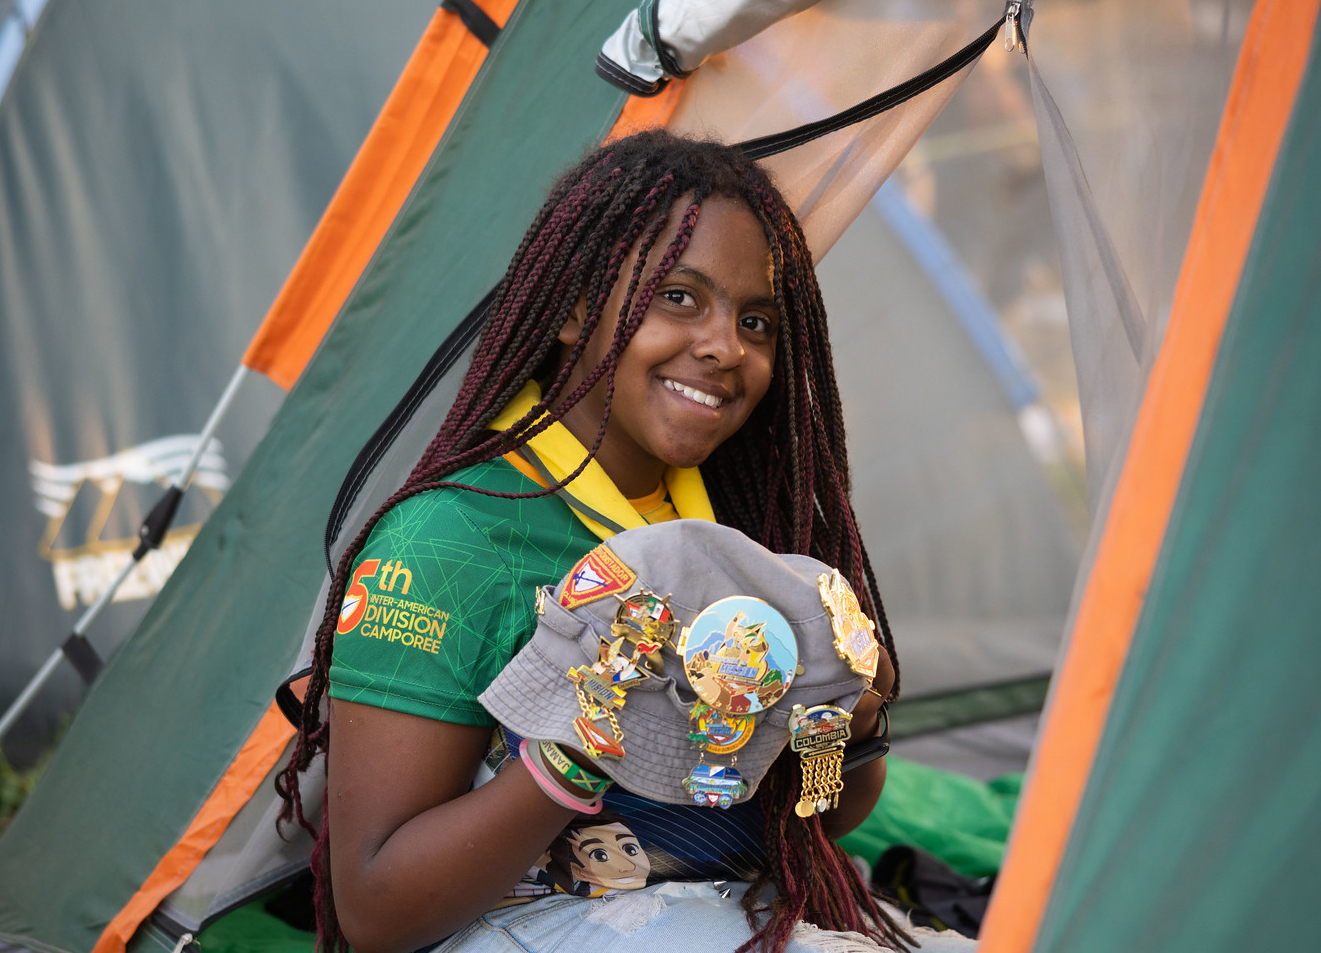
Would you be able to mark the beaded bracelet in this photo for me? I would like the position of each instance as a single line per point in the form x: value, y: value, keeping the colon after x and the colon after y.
x: 531, y: 758
x: 572, y: 772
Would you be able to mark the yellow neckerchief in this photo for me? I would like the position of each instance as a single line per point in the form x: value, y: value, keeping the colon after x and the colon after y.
x: 655, y: 507
x: 592, y: 495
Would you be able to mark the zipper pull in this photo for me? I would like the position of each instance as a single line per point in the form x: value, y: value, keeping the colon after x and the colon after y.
x: 1013, y: 38
x: 184, y: 940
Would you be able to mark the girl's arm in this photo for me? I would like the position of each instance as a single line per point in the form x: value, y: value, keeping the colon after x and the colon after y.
x: 415, y: 855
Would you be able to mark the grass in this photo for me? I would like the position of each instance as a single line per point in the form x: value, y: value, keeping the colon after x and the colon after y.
x: 15, y: 786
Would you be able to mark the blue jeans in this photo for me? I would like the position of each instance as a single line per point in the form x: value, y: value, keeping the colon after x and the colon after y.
x: 665, y: 918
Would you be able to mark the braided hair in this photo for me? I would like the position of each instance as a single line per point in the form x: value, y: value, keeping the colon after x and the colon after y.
x: 782, y: 479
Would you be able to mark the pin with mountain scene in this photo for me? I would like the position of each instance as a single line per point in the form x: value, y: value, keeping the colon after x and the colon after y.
x: 740, y: 655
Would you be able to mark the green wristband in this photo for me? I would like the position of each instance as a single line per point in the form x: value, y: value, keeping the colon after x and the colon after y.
x: 572, y: 772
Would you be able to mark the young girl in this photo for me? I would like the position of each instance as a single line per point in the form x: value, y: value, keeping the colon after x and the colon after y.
x: 657, y: 348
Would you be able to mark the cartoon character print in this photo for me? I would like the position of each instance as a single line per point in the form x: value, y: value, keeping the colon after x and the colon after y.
x: 595, y: 855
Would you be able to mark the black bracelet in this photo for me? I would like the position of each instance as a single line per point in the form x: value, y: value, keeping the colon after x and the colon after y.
x: 871, y: 749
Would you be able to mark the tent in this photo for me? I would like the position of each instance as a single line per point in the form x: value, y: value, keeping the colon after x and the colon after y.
x: 238, y: 635
x: 163, y: 168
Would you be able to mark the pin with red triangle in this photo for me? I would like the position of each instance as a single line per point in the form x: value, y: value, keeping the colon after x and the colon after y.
x: 596, y: 742
x: 598, y: 574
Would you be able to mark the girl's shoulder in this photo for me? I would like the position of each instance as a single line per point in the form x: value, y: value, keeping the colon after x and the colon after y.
x: 481, y: 499
x: 484, y: 525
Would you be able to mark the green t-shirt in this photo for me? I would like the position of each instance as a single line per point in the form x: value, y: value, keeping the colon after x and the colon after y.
x: 443, y: 594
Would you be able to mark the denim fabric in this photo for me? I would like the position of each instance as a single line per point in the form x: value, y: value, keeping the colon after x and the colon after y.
x: 665, y: 918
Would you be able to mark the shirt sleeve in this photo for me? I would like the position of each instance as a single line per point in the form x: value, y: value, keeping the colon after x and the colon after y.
x: 430, y: 616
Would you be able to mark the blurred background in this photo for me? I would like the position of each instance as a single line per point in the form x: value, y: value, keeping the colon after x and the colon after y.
x: 153, y: 197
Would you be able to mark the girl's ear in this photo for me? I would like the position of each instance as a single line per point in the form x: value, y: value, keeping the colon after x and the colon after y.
x: 572, y: 329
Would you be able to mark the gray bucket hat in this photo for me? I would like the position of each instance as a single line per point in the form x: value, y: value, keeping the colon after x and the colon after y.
x: 696, y: 563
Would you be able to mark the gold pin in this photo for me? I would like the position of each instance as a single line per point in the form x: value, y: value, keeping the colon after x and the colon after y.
x: 717, y: 732
x: 817, y: 735
x: 855, y: 639
x: 598, y: 698
x: 740, y: 655
x: 645, y: 621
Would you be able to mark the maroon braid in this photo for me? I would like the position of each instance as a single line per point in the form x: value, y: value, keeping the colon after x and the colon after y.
x: 805, y: 460
x: 782, y: 479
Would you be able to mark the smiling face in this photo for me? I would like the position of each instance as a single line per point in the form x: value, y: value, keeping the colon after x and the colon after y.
x: 610, y: 856
x: 701, y: 358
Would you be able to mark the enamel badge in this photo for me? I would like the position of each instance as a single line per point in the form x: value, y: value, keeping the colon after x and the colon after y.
x: 855, y: 639
x: 644, y: 623
x: 815, y: 729
x: 598, y: 574
x: 597, y: 743
x: 599, y: 695
x: 740, y: 655
x: 601, y: 688
x: 713, y: 785
x: 645, y: 619
x: 817, y: 735
x: 717, y: 732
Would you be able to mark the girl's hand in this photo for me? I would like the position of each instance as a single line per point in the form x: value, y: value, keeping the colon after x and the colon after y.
x: 415, y: 854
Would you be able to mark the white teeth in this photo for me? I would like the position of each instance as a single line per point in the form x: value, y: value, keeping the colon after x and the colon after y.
x: 692, y: 393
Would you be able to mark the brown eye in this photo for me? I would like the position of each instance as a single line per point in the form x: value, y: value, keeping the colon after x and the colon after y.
x: 679, y: 297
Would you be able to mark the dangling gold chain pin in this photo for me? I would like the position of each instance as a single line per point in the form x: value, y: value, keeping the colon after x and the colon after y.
x: 818, y: 735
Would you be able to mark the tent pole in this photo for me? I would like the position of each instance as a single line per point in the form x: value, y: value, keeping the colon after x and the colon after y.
x: 208, y: 431
x: 48, y: 669
x: 151, y: 533
x: 30, y: 690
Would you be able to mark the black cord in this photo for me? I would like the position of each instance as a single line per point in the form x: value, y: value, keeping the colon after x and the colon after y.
x: 765, y: 146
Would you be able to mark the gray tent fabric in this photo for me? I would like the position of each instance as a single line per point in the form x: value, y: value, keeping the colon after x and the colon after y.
x: 1122, y: 206
x: 161, y: 166
x: 252, y: 857
x: 1142, y: 106
x: 979, y: 595
x: 1113, y: 341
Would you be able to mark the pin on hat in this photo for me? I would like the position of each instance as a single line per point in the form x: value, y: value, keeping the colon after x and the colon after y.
x: 676, y: 655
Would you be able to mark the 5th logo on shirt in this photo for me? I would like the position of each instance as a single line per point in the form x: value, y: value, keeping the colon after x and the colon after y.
x: 354, y: 606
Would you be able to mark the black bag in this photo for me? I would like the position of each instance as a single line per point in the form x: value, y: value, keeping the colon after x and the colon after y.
x: 933, y: 894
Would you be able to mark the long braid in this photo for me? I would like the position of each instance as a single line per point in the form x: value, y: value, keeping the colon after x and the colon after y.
x: 809, y: 466
x: 782, y: 479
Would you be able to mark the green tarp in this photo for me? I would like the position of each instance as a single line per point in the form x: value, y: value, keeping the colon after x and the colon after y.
x: 963, y: 822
